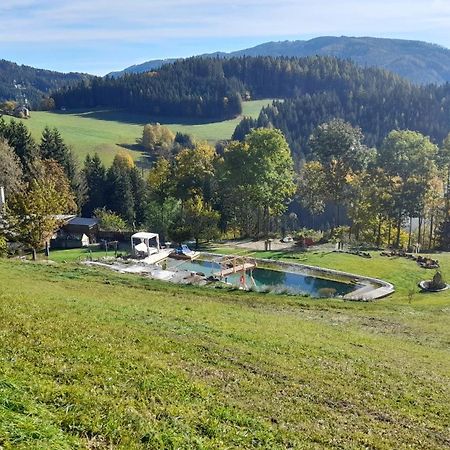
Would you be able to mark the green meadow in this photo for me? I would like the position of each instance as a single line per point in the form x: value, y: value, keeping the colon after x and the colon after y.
x: 108, y: 131
x: 91, y: 359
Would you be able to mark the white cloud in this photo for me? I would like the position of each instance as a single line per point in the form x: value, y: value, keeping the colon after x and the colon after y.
x: 140, y: 21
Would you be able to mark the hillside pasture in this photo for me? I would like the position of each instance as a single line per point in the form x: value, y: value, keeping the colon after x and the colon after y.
x: 108, y: 131
x: 95, y: 359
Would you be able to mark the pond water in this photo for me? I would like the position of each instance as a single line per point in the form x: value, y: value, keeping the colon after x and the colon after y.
x: 273, y: 280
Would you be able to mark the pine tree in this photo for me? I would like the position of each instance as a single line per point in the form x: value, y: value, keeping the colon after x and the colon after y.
x: 19, y: 139
x: 119, y: 194
x: 94, y: 173
x: 52, y: 146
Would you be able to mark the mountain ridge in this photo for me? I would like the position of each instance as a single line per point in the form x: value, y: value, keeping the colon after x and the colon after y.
x: 420, y: 62
x: 28, y: 84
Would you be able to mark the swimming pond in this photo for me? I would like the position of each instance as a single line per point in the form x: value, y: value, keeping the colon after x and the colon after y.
x: 264, y: 279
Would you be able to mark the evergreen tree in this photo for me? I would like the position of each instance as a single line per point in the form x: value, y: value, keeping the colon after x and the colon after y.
x: 139, y: 192
x: 94, y: 173
x: 119, y: 191
x: 52, y: 146
x: 184, y: 140
x: 19, y: 139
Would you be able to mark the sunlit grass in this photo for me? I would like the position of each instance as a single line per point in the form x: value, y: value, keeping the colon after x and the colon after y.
x: 94, y: 359
x: 107, y: 132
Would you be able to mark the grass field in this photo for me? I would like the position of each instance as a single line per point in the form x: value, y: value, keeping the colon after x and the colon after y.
x: 106, y: 132
x: 97, y: 360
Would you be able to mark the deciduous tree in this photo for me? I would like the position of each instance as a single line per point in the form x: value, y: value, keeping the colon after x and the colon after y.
x: 33, y: 212
x: 409, y: 158
x: 10, y: 169
x: 339, y: 148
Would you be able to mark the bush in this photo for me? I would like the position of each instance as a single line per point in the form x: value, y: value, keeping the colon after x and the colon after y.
x: 110, y: 221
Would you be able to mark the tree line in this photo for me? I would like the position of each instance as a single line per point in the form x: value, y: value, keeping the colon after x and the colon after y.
x: 242, y: 188
x: 379, y: 191
x: 375, y: 109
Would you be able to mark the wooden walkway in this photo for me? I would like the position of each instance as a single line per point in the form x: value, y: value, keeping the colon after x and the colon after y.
x: 236, y: 269
x: 234, y: 264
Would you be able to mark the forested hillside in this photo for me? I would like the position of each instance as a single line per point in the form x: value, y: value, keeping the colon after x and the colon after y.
x: 313, y: 89
x: 193, y: 88
x: 419, y: 62
x: 24, y: 82
x: 376, y: 110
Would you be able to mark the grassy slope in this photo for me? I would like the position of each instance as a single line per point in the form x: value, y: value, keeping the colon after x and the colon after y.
x: 106, y: 132
x: 92, y: 359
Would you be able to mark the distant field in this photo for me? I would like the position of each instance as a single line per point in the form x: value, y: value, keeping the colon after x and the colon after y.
x: 91, y: 359
x: 107, y: 131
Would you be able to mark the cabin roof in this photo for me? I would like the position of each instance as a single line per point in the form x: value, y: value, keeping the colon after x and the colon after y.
x: 83, y: 221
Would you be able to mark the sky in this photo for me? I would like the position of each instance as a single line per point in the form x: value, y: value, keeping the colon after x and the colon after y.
x: 99, y: 36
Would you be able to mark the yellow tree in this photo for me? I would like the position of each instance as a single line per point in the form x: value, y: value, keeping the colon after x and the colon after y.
x: 201, y: 220
x: 339, y: 148
x: 124, y: 160
x: 33, y: 212
x: 158, y: 139
x: 10, y: 169
x: 194, y: 169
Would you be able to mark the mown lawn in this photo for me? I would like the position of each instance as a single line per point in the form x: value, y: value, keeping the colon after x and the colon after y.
x: 93, y: 359
x: 107, y: 132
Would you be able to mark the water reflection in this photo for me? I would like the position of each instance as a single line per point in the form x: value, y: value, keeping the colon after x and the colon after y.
x: 274, y: 280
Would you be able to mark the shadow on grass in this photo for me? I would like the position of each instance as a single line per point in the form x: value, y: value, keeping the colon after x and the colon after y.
x: 133, y: 118
x: 145, y: 161
x: 132, y: 147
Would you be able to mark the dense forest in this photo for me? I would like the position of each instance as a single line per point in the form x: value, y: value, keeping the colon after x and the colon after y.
x: 377, y: 111
x: 24, y: 83
x: 313, y: 89
x: 193, y: 88
x: 419, y: 62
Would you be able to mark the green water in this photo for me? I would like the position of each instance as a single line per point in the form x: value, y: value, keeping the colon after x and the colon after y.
x: 273, y: 280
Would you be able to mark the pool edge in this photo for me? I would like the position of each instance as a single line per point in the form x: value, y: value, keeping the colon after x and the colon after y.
x: 362, y: 294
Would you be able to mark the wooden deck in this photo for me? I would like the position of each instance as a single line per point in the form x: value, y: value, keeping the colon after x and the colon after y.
x: 157, y: 257
x: 234, y: 264
x: 236, y: 269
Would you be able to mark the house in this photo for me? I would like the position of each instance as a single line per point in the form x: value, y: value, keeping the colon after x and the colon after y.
x: 76, y: 232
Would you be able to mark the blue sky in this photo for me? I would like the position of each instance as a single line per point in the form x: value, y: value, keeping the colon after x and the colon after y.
x: 99, y: 36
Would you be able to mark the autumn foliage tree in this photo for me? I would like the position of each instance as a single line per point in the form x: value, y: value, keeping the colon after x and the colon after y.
x: 339, y: 147
x: 10, y: 169
x: 33, y: 213
x: 158, y: 140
